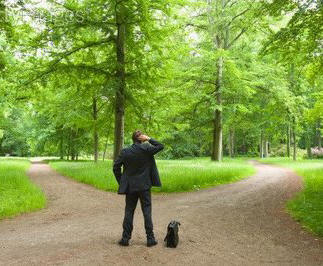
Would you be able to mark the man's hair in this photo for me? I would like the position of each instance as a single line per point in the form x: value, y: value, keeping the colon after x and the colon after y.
x: 135, y: 136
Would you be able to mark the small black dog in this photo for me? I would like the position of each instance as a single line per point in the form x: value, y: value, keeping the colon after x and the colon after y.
x: 171, y: 238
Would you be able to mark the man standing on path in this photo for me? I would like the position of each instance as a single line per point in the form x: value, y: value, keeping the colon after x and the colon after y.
x: 139, y: 175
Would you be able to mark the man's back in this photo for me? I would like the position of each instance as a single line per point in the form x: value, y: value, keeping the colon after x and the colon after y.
x: 139, y: 167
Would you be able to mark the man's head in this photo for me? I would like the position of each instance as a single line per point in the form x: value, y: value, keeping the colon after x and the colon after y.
x: 135, y: 136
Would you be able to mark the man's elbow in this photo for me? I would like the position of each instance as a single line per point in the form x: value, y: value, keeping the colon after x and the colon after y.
x: 116, y: 171
x: 160, y: 147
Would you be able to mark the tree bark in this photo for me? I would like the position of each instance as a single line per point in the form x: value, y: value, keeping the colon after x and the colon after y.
x: 95, y: 130
x: 105, y: 149
x: 261, y: 146
x: 266, y: 144
x: 72, y: 145
x: 318, y: 135
x: 61, y: 145
x: 308, y: 143
x: 288, y: 140
x: 69, y: 148
x: 121, y: 82
x: 294, y: 144
x: 217, y: 130
x: 231, y: 142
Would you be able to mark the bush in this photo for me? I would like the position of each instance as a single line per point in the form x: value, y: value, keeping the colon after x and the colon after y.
x: 317, y: 153
x: 279, y: 151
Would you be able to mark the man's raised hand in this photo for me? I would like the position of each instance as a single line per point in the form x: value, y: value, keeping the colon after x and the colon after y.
x: 143, y: 138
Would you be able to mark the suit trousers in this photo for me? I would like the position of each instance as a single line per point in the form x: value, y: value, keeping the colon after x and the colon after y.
x: 131, y: 203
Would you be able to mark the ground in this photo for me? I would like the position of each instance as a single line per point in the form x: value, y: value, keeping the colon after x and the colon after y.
x: 243, y: 223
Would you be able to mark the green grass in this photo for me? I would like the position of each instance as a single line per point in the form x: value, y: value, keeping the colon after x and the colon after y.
x: 17, y: 194
x: 307, y: 206
x: 176, y: 175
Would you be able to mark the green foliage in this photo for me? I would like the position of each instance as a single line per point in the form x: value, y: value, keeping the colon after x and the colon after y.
x: 302, y: 34
x: 59, y: 84
x: 176, y: 175
x: 17, y: 194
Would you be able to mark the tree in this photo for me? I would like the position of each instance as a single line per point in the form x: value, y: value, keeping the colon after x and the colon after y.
x: 221, y: 25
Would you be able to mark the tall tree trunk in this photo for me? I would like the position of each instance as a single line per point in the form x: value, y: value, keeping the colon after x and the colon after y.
x: 294, y: 144
x: 95, y: 130
x: 120, y: 78
x: 61, y: 145
x: 318, y: 135
x: 73, y: 146
x: 217, y: 130
x: 308, y: 143
x: 266, y: 147
x: 288, y: 140
x: 74, y: 152
x: 231, y: 142
x: 69, y: 148
x: 105, y: 149
x: 261, y: 145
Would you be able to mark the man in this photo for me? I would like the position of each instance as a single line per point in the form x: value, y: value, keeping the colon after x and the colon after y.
x: 139, y: 175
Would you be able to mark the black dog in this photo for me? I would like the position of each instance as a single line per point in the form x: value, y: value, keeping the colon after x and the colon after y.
x: 171, y: 238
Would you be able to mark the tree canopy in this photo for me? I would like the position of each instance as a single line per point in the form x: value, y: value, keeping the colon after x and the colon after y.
x: 208, y: 78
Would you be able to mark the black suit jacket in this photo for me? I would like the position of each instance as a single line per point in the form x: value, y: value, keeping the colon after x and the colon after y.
x: 139, y: 167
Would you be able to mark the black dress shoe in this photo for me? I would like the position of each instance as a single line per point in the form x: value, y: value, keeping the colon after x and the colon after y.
x: 151, y: 242
x: 124, y: 242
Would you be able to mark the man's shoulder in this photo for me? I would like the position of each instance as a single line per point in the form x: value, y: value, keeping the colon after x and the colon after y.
x: 124, y: 150
x: 145, y: 144
x: 130, y: 147
x: 137, y: 146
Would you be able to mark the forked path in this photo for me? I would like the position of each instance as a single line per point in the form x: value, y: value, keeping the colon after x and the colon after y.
x: 243, y: 223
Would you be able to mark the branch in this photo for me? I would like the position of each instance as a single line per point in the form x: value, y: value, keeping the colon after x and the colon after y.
x: 54, y: 63
x: 197, y: 26
x: 238, y: 15
x: 237, y: 37
x: 227, y: 2
x: 88, y: 45
x: 232, y: 4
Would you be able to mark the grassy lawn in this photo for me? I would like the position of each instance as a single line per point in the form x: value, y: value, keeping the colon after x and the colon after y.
x: 17, y: 193
x: 307, y: 206
x: 176, y: 175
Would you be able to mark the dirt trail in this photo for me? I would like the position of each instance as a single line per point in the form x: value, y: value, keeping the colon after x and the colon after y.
x: 237, y: 224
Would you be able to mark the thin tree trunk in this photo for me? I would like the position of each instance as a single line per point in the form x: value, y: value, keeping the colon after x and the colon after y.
x: 294, y: 144
x: 105, y: 149
x: 266, y: 143
x: 318, y: 135
x: 261, y: 146
x: 69, y: 149
x: 121, y: 82
x: 288, y: 140
x: 61, y: 145
x: 231, y: 142
x: 95, y: 130
x: 73, y: 148
x: 217, y: 135
x: 308, y: 143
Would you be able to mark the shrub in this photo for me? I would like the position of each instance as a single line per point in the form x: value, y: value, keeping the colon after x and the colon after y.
x: 317, y: 152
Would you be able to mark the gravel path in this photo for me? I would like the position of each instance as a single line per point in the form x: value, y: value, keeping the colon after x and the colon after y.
x: 237, y: 224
